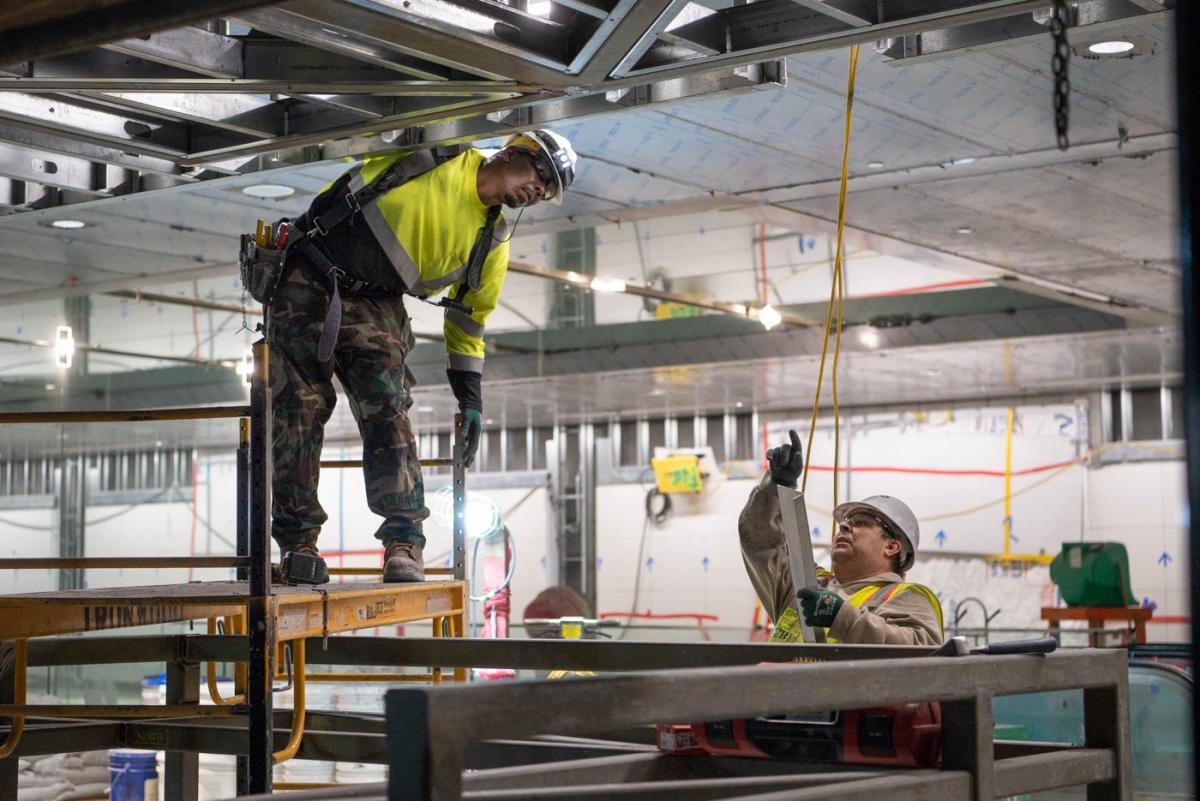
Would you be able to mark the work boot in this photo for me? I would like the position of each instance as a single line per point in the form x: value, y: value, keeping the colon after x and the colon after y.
x: 301, y: 564
x: 403, y: 562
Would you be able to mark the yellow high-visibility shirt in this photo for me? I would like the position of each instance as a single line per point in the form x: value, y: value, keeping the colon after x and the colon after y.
x: 787, y: 628
x: 427, y: 227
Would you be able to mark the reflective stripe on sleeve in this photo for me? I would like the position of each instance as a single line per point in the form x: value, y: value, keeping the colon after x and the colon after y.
x: 470, y: 364
x: 465, y: 322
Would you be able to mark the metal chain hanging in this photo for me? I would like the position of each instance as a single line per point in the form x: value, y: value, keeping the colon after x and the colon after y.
x: 1059, y: 66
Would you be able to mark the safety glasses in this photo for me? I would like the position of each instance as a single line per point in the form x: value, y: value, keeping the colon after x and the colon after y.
x: 861, y: 520
x: 545, y: 173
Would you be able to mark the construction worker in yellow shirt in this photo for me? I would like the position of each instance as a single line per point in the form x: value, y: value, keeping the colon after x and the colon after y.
x: 400, y: 224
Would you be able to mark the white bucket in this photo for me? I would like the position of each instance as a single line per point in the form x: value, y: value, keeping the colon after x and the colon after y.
x: 360, y: 698
x: 317, y: 695
x: 307, y: 770
x: 359, y: 773
x: 218, y: 777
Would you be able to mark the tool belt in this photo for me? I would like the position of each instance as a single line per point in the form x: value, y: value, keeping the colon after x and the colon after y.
x: 261, y: 268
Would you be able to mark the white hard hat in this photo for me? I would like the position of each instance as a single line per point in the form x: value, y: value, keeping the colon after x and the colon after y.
x: 556, y: 151
x: 896, y: 515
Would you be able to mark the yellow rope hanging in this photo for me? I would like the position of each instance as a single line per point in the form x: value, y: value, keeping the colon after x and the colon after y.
x: 836, y: 295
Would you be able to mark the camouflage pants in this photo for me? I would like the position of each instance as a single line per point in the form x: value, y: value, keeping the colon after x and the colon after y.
x: 373, y: 342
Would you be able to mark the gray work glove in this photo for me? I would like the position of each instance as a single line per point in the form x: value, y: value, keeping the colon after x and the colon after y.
x: 786, y: 462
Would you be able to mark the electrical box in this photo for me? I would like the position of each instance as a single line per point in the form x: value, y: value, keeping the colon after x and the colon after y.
x: 678, y: 473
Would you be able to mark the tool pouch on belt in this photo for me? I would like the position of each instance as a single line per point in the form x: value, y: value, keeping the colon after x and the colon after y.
x: 262, y: 268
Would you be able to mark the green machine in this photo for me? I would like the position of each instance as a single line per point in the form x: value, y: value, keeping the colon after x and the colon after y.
x: 1093, y: 574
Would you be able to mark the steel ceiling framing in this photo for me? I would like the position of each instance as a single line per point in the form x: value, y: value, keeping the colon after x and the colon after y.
x: 138, y: 96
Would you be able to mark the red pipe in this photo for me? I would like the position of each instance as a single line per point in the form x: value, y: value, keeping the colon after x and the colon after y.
x: 933, y: 471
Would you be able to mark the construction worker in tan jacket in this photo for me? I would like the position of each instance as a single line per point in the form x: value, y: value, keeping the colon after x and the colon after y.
x: 865, y: 599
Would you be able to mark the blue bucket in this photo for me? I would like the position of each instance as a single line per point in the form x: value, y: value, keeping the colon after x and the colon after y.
x: 132, y: 775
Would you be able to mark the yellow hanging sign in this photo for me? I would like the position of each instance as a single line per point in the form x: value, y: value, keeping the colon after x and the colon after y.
x: 680, y: 473
x: 671, y: 311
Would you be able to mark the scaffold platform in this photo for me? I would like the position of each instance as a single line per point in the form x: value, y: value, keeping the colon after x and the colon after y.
x: 266, y: 625
x: 297, y: 612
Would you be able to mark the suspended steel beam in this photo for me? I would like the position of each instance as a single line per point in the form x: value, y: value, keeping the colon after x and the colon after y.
x: 88, y: 124
x: 379, y: 85
x: 549, y: 111
x: 409, y: 120
x: 380, y: 53
x: 261, y: 59
x: 635, y: 52
x: 61, y: 172
x: 34, y: 30
x: 248, y: 115
x: 778, y: 28
x: 631, y: 24
x: 855, y: 13
x: 443, y: 33
x: 1092, y: 18
x: 599, y: 10
x: 61, y: 143
x: 189, y: 48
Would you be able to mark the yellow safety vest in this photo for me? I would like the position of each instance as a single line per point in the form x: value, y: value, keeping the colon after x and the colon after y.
x: 787, y: 628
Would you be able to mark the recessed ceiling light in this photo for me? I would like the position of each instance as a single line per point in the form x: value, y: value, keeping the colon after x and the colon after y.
x: 875, y: 165
x: 1113, y: 47
x: 70, y: 225
x: 269, y: 191
x: 965, y: 230
x: 739, y: 404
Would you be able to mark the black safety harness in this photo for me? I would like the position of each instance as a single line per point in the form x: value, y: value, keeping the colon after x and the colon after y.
x: 337, y: 280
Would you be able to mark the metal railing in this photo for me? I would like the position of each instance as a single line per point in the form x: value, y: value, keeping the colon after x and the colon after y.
x: 430, y: 728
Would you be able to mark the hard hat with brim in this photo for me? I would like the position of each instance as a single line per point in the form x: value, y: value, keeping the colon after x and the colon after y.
x: 895, y: 514
x: 555, y: 151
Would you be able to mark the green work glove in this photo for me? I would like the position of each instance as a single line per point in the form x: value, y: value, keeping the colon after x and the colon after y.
x: 470, y: 429
x: 820, y: 607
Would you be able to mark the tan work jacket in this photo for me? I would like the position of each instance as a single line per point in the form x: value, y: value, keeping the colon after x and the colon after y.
x: 905, y: 618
